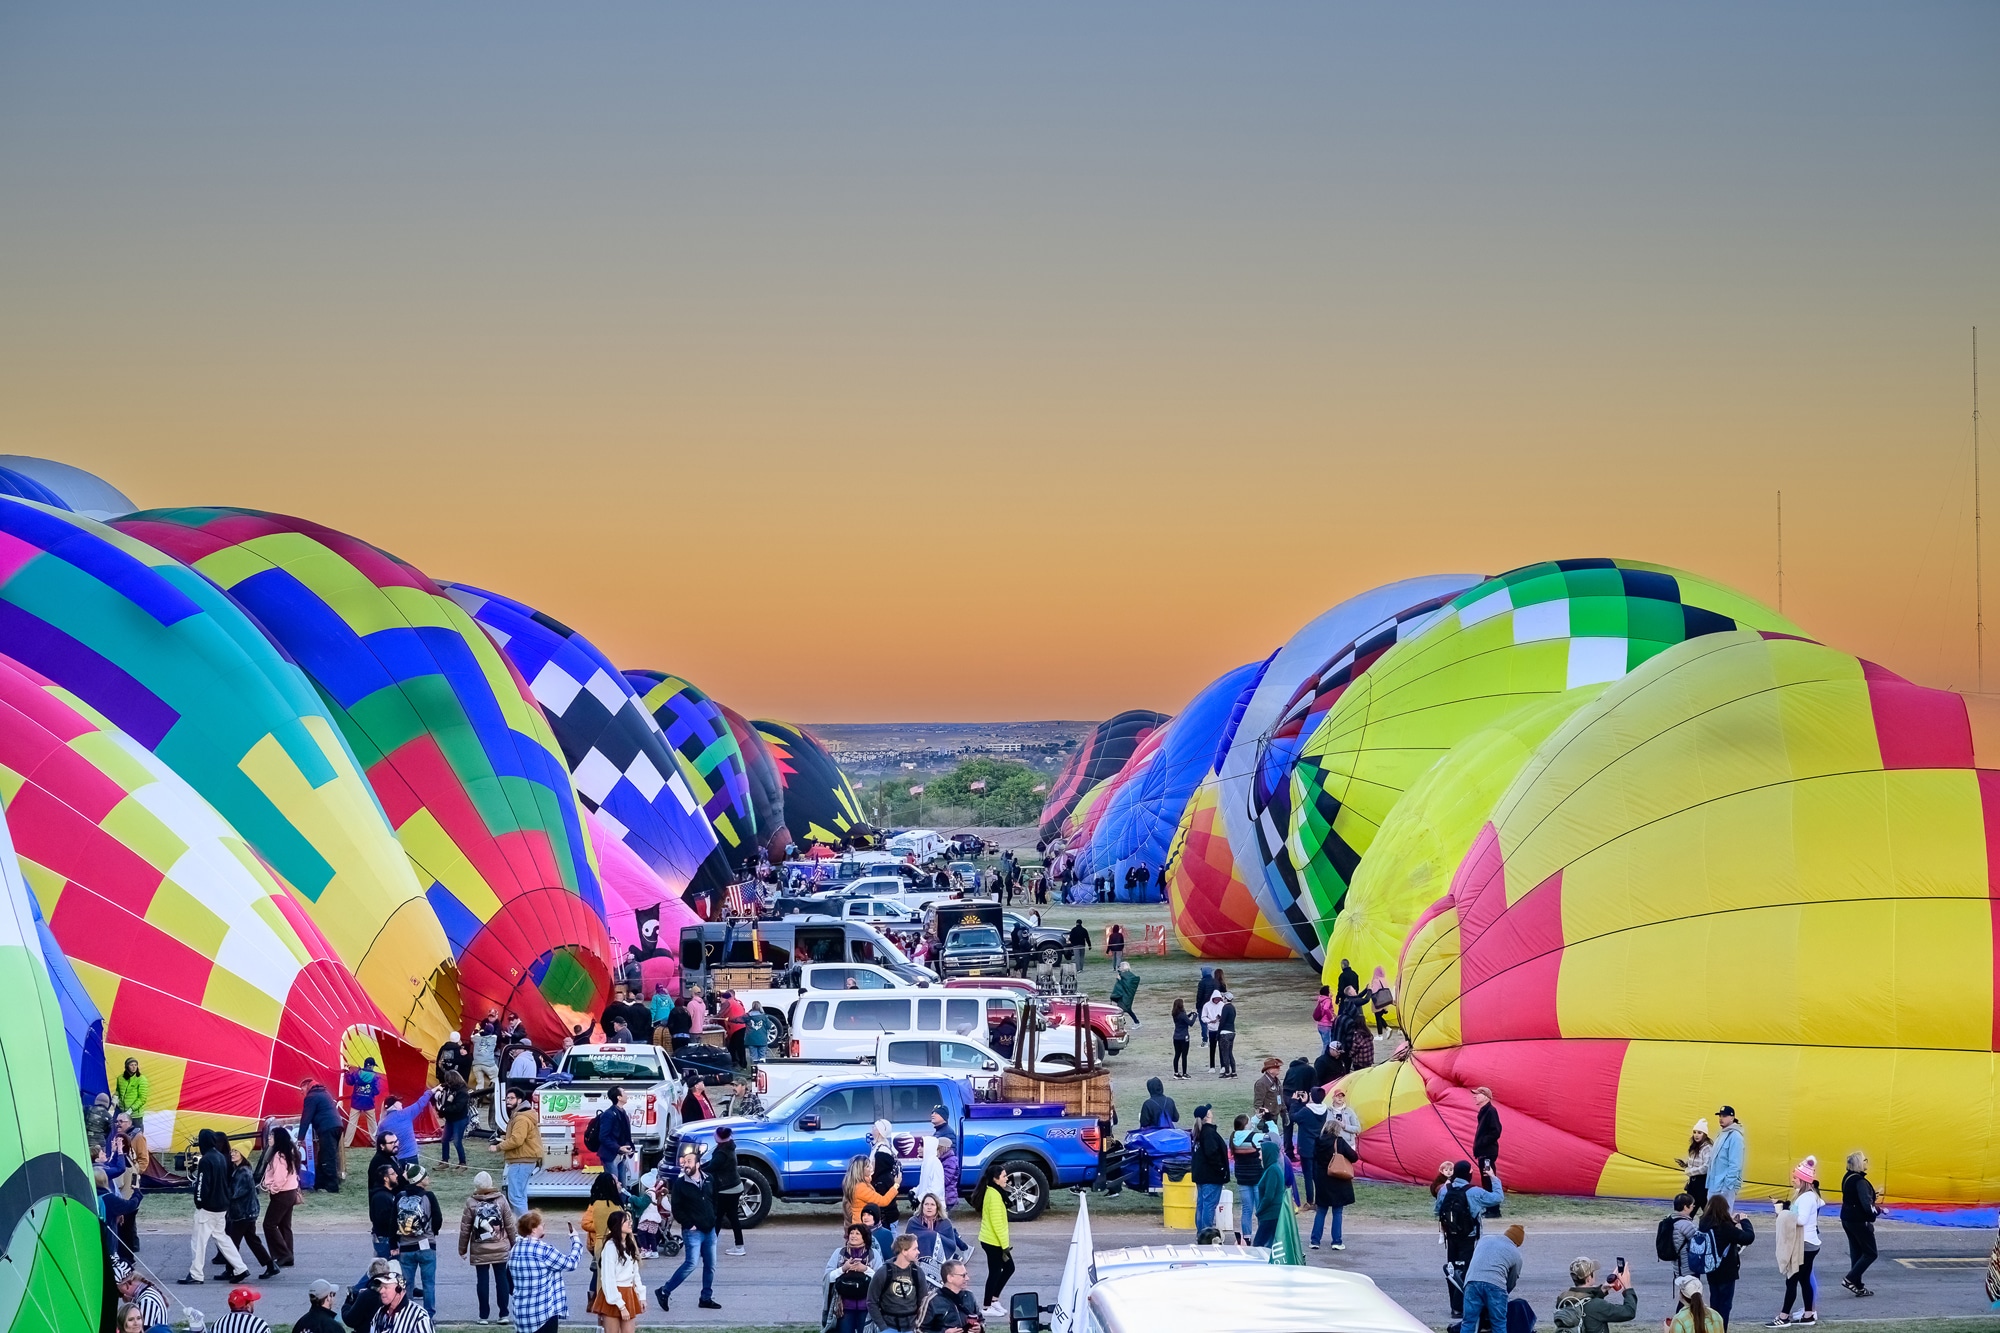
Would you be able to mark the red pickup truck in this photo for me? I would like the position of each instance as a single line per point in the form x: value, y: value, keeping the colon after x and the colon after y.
x: 1107, y: 1021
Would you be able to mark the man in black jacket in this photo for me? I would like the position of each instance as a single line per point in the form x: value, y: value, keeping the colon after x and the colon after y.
x: 692, y: 1201
x: 1486, y: 1139
x: 1298, y: 1085
x: 383, y: 1188
x: 614, y: 1136
x: 1079, y: 942
x: 211, y: 1210
x: 1211, y: 1167
x: 953, y: 1309
x: 320, y: 1117
x: 1159, y: 1112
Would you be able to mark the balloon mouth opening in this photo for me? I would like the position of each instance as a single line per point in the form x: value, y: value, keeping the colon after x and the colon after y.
x: 570, y: 981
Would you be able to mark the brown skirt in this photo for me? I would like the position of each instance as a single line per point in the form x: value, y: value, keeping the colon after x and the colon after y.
x: 633, y: 1303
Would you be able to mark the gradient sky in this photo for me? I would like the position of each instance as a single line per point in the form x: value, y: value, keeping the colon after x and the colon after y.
x: 919, y: 361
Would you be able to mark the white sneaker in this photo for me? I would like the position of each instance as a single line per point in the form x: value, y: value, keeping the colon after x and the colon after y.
x: 995, y: 1311
x: 735, y: 1249
x: 1336, y: 1247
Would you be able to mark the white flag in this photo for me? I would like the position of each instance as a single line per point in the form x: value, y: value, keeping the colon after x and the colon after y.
x: 1068, y: 1316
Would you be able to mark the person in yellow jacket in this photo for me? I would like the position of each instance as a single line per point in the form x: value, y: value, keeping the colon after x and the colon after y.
x: 520, y: 1148
x: 135, y: 1092
x: 994, y: 1237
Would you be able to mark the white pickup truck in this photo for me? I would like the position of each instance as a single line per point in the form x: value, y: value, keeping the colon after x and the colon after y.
x: 821, y: 977
x: 904, y: 1055
x: 653, y: 1091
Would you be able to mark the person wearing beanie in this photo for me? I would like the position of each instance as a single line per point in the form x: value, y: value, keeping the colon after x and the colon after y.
x: 486, y: 1236
x: 1458, y: 1208
x: 1798, y: 1244
x: 1490, y: 1277
x: 1590, y: 1307
x: 1210, y: 1167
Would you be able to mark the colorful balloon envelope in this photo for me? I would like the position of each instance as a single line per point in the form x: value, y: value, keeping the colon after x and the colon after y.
x: 1520, y: 638
x: 1104, y: 751
x: 767, y: 785
x: 1214, y: 913
x: 696, y: 728
x: 52, y: 1268
x: 206, y: 968
x: 456, y: 748
x: 820, y: 805
x: 157, y: 651
x: 1657, y: 920
x: 1303, y: 658
x: 618, y: 758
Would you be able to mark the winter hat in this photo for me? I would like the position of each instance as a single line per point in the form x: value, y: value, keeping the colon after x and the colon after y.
x: 1701, y: 1125
x: 1517, y: 1233
x: 1807, y: 1171
x: 483, y: 1181
x: 1461, y: 1171
x: 884, y: 1132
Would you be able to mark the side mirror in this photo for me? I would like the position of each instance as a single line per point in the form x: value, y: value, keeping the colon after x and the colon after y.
x: 808, y: 1122
x: 992, y: 1065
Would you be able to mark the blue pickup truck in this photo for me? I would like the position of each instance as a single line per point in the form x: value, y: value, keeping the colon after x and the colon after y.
x: 800, y: 1147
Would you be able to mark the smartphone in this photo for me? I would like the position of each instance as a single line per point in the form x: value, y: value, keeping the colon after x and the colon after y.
x: 1621, y: 1265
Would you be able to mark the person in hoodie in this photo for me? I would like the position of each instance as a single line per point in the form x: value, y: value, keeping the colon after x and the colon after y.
x: 1725, y: 1168
x: 244, y: 1208
x: 1202, y: 991
x: 211, y: 1210
x: 1183, y: 1025
x: 1210, y: 1167
x: 1298, y: 1079
x: 486, y: 1236
x: 401, y: 1121
x: 1308, y: 1122
x: 1270, y: 1189
x: 319, y: 1117
x: 1159, y: 1112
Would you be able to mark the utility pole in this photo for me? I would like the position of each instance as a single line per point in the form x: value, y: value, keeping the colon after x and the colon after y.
x: 1781, y: 553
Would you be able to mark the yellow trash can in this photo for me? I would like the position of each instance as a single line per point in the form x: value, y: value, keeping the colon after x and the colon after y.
x: 1178, y: 1200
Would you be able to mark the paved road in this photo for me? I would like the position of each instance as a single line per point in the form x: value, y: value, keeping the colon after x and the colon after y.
x: 779, y: 1280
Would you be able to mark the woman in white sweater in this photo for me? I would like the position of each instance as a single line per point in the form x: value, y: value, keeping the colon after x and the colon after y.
x: 1803, y: 1216
x: 621, y: 1291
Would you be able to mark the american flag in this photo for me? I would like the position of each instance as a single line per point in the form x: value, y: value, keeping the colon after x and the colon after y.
x: 976, y: 786
x: 740, y: 900
x: 916, y: 791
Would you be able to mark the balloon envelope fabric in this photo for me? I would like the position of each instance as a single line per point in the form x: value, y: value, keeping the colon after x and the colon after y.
x: 83, y: 1023
x: 1301, y: 659
x: 695, y: 726
x: 1103, y: 752
x: 457, y: 751
x: 1525, y: 635
x: 1214, y: 913
x: 1644, y: 931
x: 820, y: 805
x: 619, y: 760
x: 156, y: 650
x: 767, y: 785
x: 207, y: 969
x: 52, y: 1267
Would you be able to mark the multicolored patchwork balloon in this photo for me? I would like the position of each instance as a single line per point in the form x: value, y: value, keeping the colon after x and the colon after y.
x: 154, y: 649
x: 698, y: 731
x: 454, y: 745
x: 820, y: 804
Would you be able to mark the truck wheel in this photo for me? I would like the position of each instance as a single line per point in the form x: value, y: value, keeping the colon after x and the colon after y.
x: 754, y: 1204
x: 781, y: 1031
x: 1048, y: 954
x: 1024, y: 1188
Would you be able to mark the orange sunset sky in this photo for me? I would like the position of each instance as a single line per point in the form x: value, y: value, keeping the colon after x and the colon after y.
x: 912, y: 362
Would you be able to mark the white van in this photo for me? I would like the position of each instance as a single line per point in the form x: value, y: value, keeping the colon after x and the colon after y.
x: 1246, y: 1298
x: 848, y: 1024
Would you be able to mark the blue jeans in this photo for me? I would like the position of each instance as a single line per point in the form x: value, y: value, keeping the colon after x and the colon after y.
x: 454, y: 1132
x: 1205, y: 1199
x: 1319, y: 1219
x: 705, y: 1242
x: 383, y: 1244
x: 1246, y: 1208
x: 1487, y: 1299
x: 1308, y: 1149
x: 426, y: 1262
x: 517, y: 1185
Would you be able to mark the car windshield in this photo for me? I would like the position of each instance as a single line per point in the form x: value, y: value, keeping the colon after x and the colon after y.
x: 963, y: 868
x: 584, y: 1066
x: 974, y: 937
x: 793, y: 1102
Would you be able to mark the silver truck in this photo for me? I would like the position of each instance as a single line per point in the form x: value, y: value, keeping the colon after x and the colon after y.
x: 581, y: 1088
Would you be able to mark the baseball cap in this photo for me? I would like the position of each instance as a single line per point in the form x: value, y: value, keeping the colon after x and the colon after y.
x: 1729, y: 1111
x: 321, y: 1289
x: 242, y: 1298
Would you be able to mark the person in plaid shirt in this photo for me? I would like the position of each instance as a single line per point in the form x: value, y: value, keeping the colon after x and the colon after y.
x: 541, y: 1300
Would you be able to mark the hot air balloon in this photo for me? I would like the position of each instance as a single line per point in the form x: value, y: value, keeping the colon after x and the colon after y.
x: 52, y: 1269
x: 158, y: 652
x: 618, y: 758
x: 1643, y: 930
x: 83, y: 1023
x: 767, y: 785
x: 641, y: 912
x: 820, y: 805
x: 1103, y: 752
x: 1214, y: 913
x: 206, y: 968
x: 1303, y: 658
x: 1523, y: 637
x: 74, y: 489
x: 695, y: 726
x: 455, y: 747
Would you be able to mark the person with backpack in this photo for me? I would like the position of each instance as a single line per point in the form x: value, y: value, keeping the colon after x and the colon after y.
x: 1715, y: 1252
x: 418, y: 1222
x: 898, y: 1290
x: 1457, y: 1210
x: 848, y: 1271
x: 609, y: 1134
x: 1858, y: 1211
x: 1248, y: 1163
x: 1670, y: 1239
x: 1590, y: 1308
x: 454, y: 1109
x: 486, y: 1236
